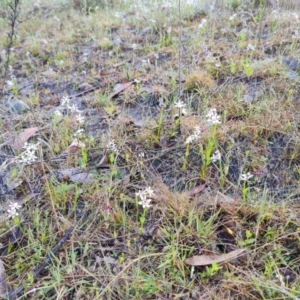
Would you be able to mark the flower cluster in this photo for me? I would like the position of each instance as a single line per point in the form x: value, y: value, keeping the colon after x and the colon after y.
x: 202, y: 23
x: 145, y: 197
x: 212, y: 117
x: 195, y: 136
x: 216, y: 156
x: 181, y: 105
x: 28, y: 156
x: 77, y: 143
x: 231, y: 18
x: 250, y: 47
x: 10, y: 83
x: 245, y: 177
x: 73, y: 108
x: 13, y: 209
x: 112, y: 147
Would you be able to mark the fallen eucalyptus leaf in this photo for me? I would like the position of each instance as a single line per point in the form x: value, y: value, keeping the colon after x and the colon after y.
x: 23, y: 137
x: 205, y: 260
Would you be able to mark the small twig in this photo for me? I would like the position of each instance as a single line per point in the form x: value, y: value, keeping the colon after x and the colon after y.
x: 36, y: 273
x: 108, y: 286
x: 179, y: 50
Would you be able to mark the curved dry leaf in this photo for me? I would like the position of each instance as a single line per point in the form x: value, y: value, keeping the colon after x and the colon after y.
x: 205, y: 260
x: 49, y: 73
x: 23, y: 137
x: 76, y: 175
x: 86, y: 178
x: 120, y: 89
x: 196, y: 189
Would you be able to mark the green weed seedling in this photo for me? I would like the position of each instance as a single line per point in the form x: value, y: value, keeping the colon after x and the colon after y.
x: 211, y: 271
x: 249, y: 239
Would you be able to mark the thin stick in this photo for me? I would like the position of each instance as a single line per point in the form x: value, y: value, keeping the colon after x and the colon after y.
x: 36, y: 273
x: 125, y: 268
x: 179, y: 50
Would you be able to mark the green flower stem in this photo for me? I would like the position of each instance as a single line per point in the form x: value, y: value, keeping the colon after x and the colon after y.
x: 186, y: 155
x: 160, y: 123
x: 142, y: 220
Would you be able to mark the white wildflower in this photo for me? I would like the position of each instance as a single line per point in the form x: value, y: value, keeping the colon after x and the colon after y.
x: 245, y: 177
x: 183, y: 112
x: 149, y: 192
x: 118, y: 41
x: 57, y: 114
x: 141, y: 155
x: 65, y: 101
x: 143, y: 195
x: 231, y: 18
x: 28, y: 156
x: 216, y: 156
x: 169, y: 30
x: 145, y: 61
x: 212, y: 117
x: 195, y: 136
x: 202, y: 23
x: 250, y: 47
x: 295, y: 34
x: 134, y: 46
x: 9, y: 83
x: 80, y: 119
x: 77, y: 143
x: 80, y: 131
x: 31, y: 147
x: 13, y: 209
x: 145, y: 203
x: 161, y: 102
x: 73, y: 108
x: 179, y: 104
x: 112, y: 146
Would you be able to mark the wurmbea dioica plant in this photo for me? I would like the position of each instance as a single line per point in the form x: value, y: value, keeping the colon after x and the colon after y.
x: 245, y: 178
x: 216, y: 157
x: 26, y: 157
x: 145, y: 200
x: 160, y: 120
x: 182, y: 111
x: 194, y: 137
x: 112, y: 151
x: 80, y: 133
x: 212, y: 121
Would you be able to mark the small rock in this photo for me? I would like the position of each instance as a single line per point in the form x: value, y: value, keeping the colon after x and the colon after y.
x: 249, y: 98
x: 145, y: 31
x: 292, y: 64
x: 17, y: 106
